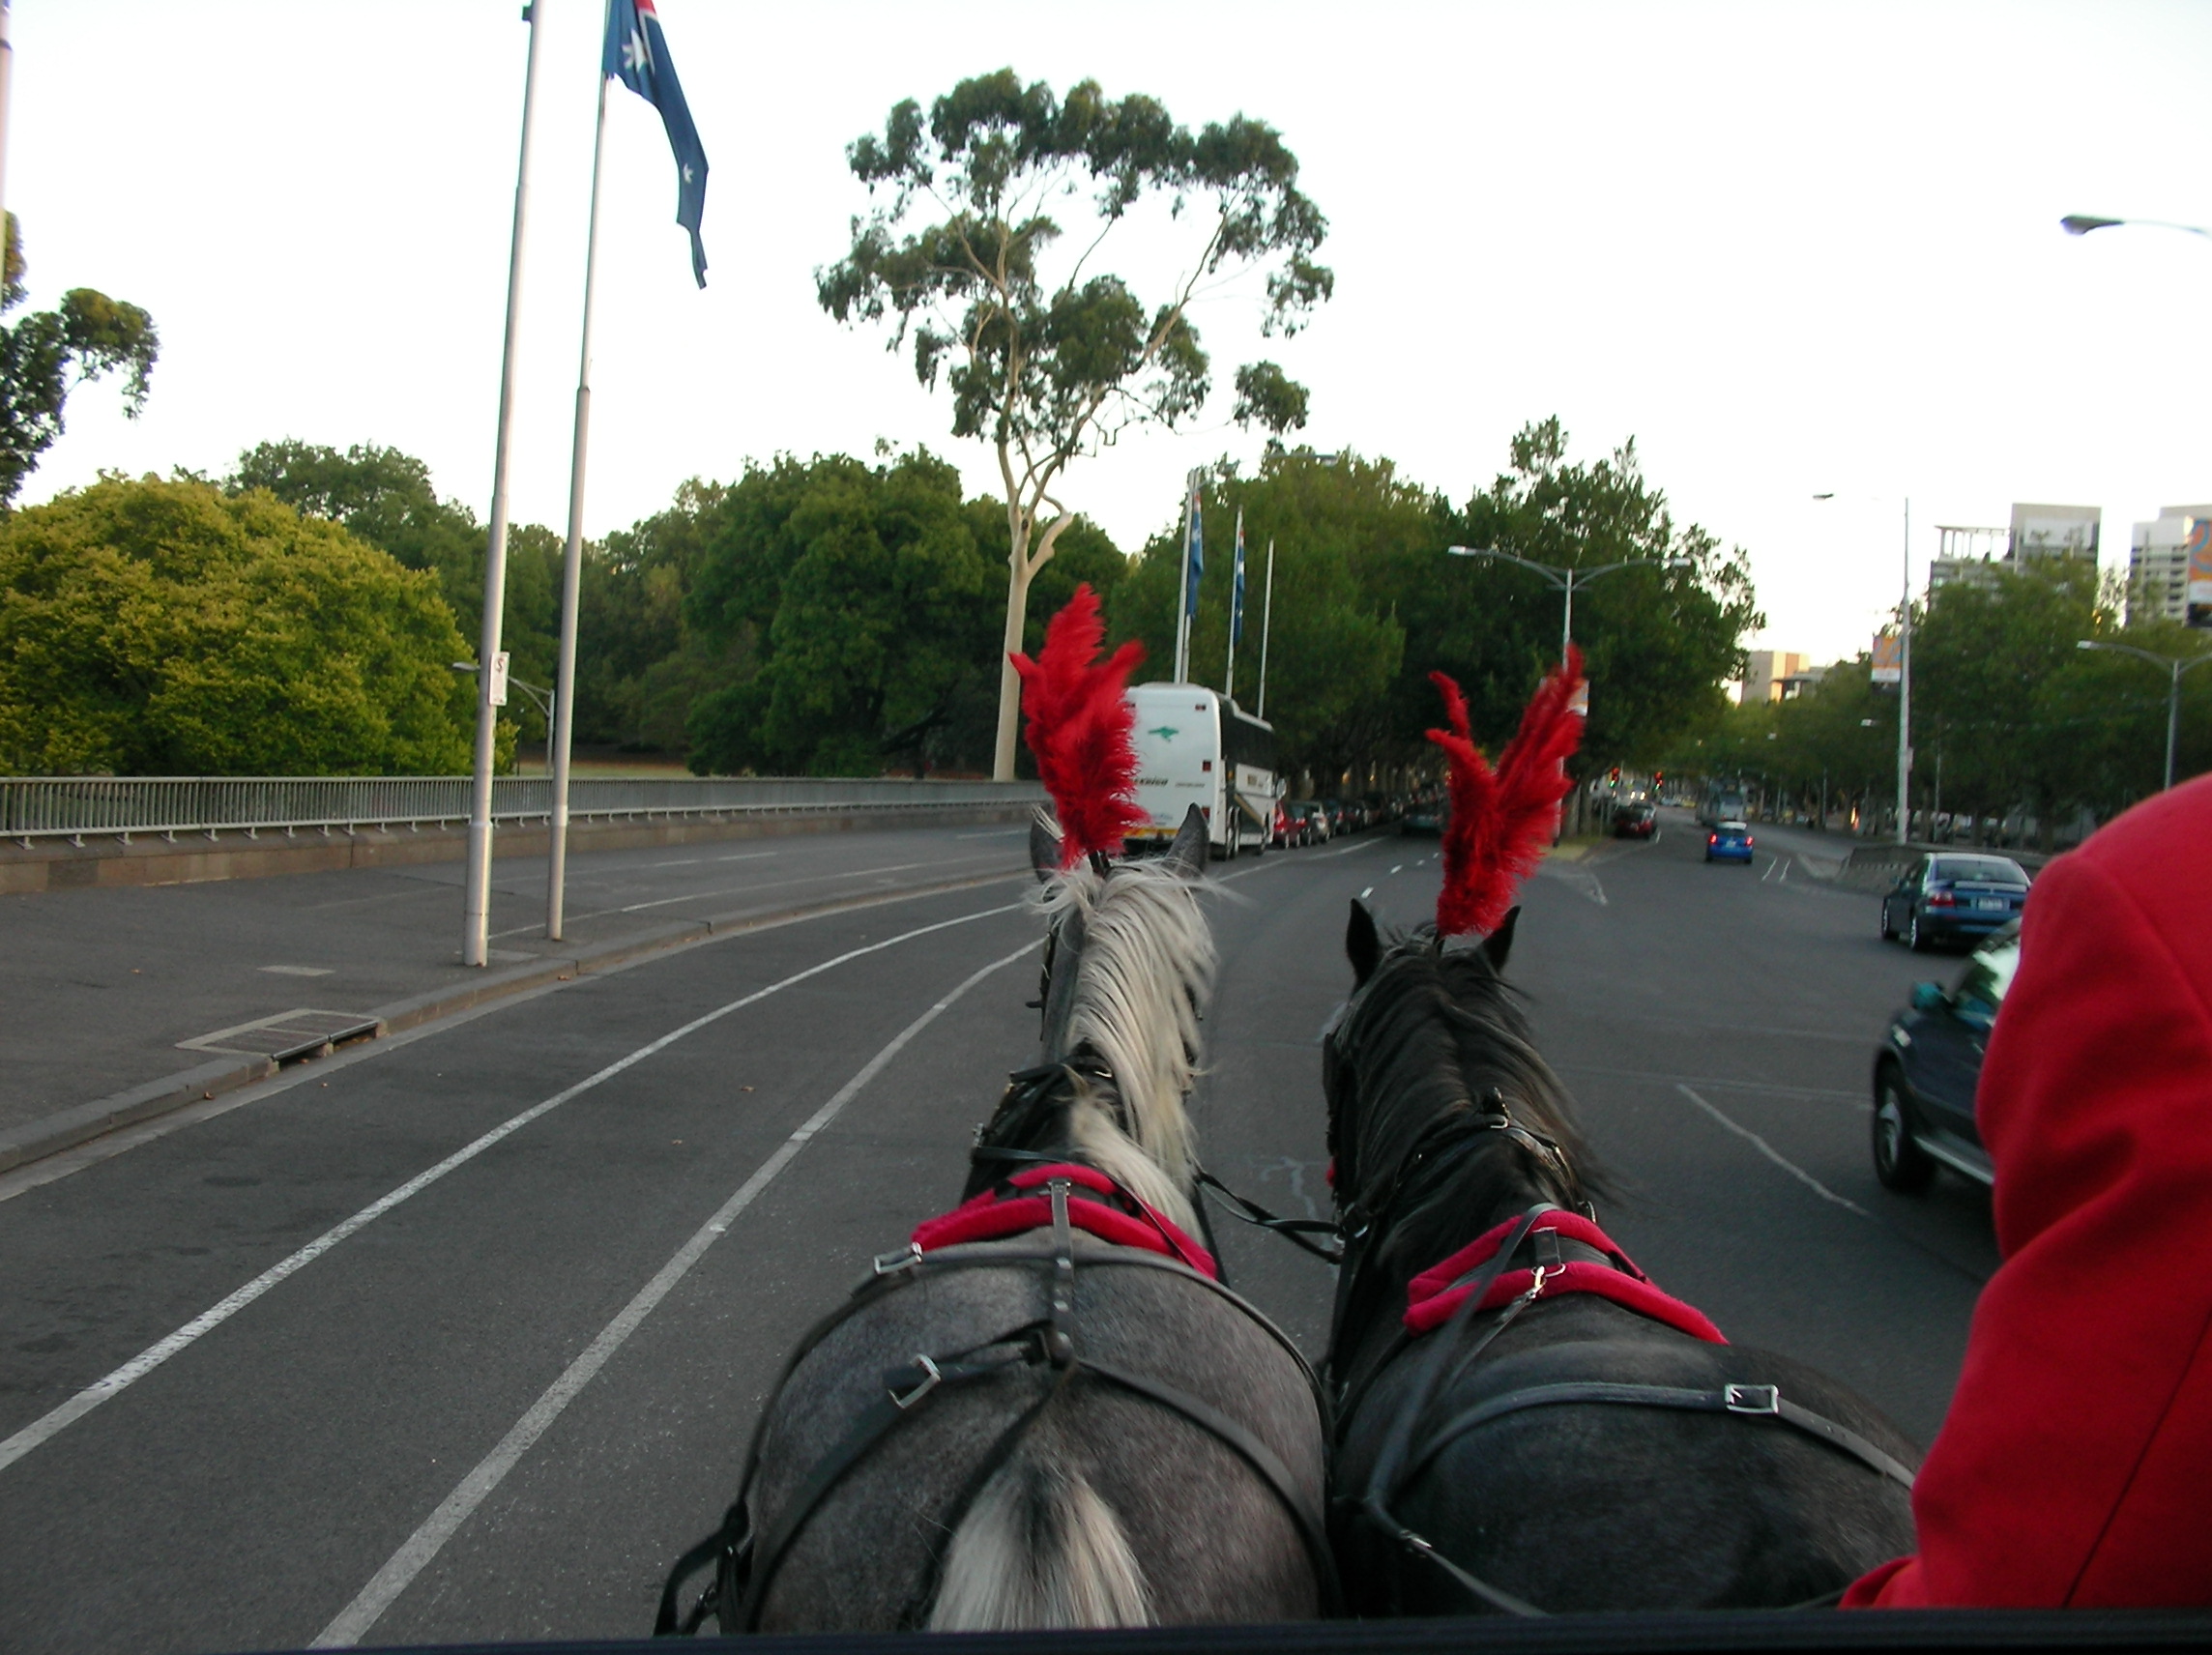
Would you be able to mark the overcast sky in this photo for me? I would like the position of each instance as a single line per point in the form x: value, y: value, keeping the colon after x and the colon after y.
x: 1789, y: 248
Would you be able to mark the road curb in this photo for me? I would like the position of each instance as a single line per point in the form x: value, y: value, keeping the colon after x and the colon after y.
x: 80, y: 1123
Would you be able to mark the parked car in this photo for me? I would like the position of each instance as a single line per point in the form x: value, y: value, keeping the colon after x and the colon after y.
x: 1315, y: 815
x: 1950, y: 895
x: 1729, y: 842
x: 1929, y: 1066
x: 1635, y: 821
x: 1424, y: 816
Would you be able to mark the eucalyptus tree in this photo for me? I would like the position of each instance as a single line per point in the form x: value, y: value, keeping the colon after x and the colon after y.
x: 966, y: 256
x: 45, y: 355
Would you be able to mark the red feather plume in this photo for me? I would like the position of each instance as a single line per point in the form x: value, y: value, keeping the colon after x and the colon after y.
x: 1079, y: 726
x: 1501, y: 819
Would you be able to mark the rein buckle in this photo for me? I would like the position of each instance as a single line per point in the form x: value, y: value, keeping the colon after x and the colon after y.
x: 904, y: 1259
x: 931, y: 1378
x: 1752, y: 1399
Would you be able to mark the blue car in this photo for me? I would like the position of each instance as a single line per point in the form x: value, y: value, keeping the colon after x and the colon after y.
x: 1727, y: 842
x: 1951, y: 896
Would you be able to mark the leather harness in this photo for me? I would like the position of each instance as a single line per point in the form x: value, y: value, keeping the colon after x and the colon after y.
x: 1408, y: 1449
x: 745, y: 1565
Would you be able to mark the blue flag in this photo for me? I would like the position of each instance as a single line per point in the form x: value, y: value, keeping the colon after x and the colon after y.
x: 1236, y: 589
x: 1194, y: 556
x: 636, y: 54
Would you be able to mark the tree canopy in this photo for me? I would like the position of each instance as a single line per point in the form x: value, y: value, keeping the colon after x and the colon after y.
x: 152, y: 628
x: 2008, y: 715
x: 864, y: 597
x: 1368, y: 602
x: 1048, y: 364
x: 46, y: 355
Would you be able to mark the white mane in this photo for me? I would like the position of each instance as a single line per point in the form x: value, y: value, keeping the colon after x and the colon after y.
x: 1145, y: 975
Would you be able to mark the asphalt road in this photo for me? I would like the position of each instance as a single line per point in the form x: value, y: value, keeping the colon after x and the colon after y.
x: 500, y: 1405
x: 100, y: 984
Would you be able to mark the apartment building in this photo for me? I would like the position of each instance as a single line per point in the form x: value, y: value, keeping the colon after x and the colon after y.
x: 2158, y: 564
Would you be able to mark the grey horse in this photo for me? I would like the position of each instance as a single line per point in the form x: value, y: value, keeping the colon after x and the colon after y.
x: 1049, y: 1428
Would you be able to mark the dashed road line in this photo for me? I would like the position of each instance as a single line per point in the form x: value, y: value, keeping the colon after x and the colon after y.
x: 355, y: 1620
x: 51, y: 1424
x: 1771, y: 1153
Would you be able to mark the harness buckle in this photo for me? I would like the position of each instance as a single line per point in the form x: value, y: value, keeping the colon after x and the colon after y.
x: 931, y: 1378
x: 905, y: 1259
x: 1752, y: 1399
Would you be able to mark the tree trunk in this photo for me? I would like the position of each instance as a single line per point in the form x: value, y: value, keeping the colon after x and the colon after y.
x: 1010, y: 681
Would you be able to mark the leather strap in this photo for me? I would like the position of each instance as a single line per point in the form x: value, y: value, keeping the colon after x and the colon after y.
x: 1753, y: 1401
x: 1252, y: 1451
x: 1295, y: 1231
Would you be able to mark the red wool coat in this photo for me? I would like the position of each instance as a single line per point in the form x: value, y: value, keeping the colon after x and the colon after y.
x: 2075, y: 1466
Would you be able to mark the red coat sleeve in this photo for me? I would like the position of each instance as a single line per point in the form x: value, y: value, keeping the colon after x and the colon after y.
x: 2073, y: 1467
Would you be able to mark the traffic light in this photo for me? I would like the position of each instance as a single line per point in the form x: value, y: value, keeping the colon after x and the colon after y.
x: 1615, y: 779
x: 1658, y: 776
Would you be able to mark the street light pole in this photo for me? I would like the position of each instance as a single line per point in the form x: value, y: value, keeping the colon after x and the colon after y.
x: 1566, y: 578
x: 2175, y: 666
x: 1903, y: 684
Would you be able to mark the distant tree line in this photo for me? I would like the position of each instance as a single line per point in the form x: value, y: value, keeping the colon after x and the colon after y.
x: 826, y: 616
x: 2010, y: 717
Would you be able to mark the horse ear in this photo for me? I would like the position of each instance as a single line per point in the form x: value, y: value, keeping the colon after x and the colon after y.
x: 1362, y: 942
x: 1044, y: 849
x: 1499, y: 943
x: 1187, y: 855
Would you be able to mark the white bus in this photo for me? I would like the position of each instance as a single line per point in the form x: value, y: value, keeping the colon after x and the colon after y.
x: 1195, y: 747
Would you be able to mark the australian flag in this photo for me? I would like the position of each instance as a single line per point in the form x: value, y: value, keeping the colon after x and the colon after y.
x: 637, y: 55
x: 1236, y: 588
x: 1194, y: 553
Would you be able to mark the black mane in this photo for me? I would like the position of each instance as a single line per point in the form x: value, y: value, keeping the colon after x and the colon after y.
x: 1434, y: 1043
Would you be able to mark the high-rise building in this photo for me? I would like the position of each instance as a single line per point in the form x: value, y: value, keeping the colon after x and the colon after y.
x: 1763, y: 672
x: 1966, y: 557
x: 2158, y: 564
x: 2040, y: 532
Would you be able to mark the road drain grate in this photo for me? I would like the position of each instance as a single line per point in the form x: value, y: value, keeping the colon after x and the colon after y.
x: 288, y: 1035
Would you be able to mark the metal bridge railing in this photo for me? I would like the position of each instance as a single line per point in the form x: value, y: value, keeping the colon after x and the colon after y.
x: 36, y: 807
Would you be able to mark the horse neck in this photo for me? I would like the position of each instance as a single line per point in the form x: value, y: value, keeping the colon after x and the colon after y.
x: 1420, y: 1217
x: 1144, y: 973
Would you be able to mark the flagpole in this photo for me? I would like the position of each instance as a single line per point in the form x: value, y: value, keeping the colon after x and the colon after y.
x: 1266, y: 623
x: 1235, y: 607
x: 1183, y: 583
x: 476, y: 935
x: 572, y: 565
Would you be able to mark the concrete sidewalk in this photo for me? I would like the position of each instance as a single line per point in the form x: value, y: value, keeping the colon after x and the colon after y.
x: 118, y: 1003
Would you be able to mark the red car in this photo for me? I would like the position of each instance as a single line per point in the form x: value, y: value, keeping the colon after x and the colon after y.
x: 1635, y: 821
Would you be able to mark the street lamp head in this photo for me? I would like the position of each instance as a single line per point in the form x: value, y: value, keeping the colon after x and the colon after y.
x: 2081, y: 223
x: 2086, y: 644
x: 1471, y: 551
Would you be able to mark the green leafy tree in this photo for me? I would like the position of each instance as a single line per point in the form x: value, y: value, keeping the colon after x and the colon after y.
x: 862, y: 595
x: 45, y: 355
x: 1048, y: 366
x: 1333, y: 651
x: 152, y: 628
x: 1657, y: 642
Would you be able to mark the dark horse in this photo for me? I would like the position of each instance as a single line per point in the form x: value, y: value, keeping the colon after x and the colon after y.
x: 1549, y: 1450
x: 1046, y: 1411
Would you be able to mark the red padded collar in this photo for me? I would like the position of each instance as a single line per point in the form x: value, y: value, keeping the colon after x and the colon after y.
x: 1116, y: 1217
x: 1431, y: 1297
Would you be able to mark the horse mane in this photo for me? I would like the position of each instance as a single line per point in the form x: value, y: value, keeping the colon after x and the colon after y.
x: 1436, y: 1029
x: 1144, y: 978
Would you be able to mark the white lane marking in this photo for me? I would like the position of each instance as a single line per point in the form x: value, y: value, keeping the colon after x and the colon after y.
x: 993, y: 834
x: 51, y: 1425
x: 1768, y: 1151
x: 1399, y: 869
x: 808, y: 878
x: 1368, y: 892
x: 296, y: 970
x: 425, y: 1543
x: 747, y: 856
